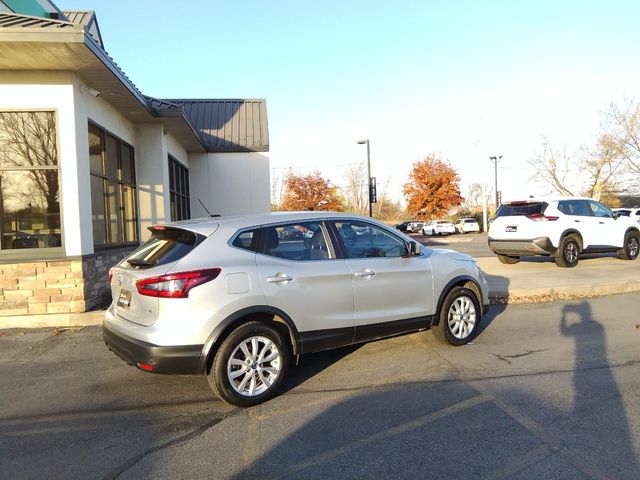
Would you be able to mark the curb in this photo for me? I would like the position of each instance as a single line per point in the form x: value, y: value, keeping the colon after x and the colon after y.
x: 578, y: 291
x: 53, y: 320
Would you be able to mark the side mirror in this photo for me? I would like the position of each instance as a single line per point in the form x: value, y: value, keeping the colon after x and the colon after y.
x: 616, y: 215
x: 415, y: 248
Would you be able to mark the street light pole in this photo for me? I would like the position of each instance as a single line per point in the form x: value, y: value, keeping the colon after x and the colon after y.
x: 363, y: 142
x: 495, y: 161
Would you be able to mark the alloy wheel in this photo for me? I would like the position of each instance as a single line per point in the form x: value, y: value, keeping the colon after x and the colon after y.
x: 571, y: 252
x: 632, y: 247
x: 254, y: 366
x: 462, y: 317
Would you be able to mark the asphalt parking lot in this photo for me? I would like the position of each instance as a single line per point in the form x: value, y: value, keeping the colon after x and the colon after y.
x: 547, y: 391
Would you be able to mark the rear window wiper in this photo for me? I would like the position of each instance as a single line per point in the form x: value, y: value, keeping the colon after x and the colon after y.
x: 136, y: 262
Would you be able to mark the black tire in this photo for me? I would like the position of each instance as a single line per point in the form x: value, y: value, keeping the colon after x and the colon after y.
x: 445, y: 332
x: 219, y: 377
x: 507, y: 259
x: 568, y: 252
x: 631, y: 246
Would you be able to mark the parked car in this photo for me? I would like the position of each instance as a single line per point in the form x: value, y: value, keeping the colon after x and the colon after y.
x: 414, y: 226
x: 228, y: 299
x: 402, y: 226
x: 467, y: 225
x: 633, y: 213
x: 562, y: 228
x: 438, y: 227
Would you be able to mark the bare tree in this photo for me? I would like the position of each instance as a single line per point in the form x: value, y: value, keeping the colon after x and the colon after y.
x: 604, y: 164
x: 622, y: 124
x: 356, y: 188
x: 556, y: 167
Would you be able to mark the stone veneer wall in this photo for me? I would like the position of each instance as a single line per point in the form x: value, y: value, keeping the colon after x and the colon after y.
x: 57, y: 286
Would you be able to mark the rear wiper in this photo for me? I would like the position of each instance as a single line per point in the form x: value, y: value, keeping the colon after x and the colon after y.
x: 136, y: 262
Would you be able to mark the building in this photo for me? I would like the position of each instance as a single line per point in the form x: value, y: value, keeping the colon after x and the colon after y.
x: 87, y: 161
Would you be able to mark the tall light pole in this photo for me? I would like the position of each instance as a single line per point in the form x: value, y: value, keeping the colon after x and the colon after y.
x: 366, y: 142
x: 495, y: 161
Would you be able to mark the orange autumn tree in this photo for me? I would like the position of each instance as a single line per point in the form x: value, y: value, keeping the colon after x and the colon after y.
x: 310, y: 192
x: 433, y: 188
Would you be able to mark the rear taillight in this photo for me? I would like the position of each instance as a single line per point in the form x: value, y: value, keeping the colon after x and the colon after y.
x: 175, y: 285
x: 110, y: 275
x: 539, y: 217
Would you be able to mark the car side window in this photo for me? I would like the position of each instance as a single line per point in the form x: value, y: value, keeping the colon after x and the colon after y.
x: 600, y: 210
x: 247, y: 240
x: 364, y: 240
x: 296, y: 241
x: 574, y: 208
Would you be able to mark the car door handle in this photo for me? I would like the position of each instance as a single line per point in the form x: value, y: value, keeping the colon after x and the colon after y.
x: 577, y: 221
x: 601, y: 223
x: 365, y: 273
x: 279, y: 278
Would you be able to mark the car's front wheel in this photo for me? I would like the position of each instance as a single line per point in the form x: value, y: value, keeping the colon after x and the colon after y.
x: 459, y: 317
x: 568, y: 252
x: 250, y: 365
x: 631, y: 246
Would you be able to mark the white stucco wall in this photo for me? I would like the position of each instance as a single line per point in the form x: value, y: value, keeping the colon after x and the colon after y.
x: 54, y: 91
x: 102, y: 113
x: 229, y: 183
x: 152, y: 175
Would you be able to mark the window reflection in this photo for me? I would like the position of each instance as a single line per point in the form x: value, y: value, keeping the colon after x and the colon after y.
x: 29, y: 185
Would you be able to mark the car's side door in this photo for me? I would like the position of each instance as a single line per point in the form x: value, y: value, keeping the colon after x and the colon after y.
x: 393, y: 291
x: 607, y: 231
x: 301, y: 275
x: 579, y: 216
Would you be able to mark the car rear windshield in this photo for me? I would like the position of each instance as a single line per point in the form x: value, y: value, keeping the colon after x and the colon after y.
x: 166, y: 245
x: 469, y: 221
x: 521, y: 208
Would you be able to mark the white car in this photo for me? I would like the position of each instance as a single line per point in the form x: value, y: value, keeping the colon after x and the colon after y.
x: 467, y: 225
x: 238, y: 299
x: 633, y: 213
x: 414, y: 226
x: 562, y: 227
x: 438, y: 227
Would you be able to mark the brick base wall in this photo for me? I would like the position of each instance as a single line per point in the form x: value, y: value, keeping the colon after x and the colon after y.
x: 61, y: 286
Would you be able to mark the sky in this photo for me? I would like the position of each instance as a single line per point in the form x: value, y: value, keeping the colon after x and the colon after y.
x: 462, y: 79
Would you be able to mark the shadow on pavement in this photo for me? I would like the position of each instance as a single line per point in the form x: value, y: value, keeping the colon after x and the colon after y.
x: 599, y: 415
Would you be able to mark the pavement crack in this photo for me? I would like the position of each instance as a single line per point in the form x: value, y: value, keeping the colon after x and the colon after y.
x: 505, y: 358
x: 195, y: 433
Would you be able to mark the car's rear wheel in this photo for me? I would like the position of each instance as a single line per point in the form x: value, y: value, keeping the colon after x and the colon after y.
x: 508, y: 259
x: 250, y: 365
x: 631, y: 246
x: 459, y: 317
x: 568, y: 252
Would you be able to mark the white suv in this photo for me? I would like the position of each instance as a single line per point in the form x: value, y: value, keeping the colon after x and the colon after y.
x: 562, y: 228
x: 237, y: 298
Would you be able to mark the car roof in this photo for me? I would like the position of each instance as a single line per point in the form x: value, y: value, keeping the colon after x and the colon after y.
x: 208, y: 225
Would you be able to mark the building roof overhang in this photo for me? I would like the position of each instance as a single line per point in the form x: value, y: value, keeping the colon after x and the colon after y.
x: 63, y: 46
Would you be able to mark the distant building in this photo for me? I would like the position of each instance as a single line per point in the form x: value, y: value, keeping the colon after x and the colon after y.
x: 87, y: 161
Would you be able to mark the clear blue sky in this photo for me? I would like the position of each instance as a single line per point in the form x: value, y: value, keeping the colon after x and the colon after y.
x: 461, y: 78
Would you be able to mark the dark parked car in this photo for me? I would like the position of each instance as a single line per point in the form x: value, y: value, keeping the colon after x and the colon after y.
x: 402, y: 226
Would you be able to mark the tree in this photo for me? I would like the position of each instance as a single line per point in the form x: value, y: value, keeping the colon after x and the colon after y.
x: 604, y: 166
x: 556, y: 167
x: 356, y: 189
x: 622, y: 125
x: 432, y: 189
x: 310, y: 192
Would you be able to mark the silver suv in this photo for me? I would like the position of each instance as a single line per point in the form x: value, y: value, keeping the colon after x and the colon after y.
x: 237, y: 298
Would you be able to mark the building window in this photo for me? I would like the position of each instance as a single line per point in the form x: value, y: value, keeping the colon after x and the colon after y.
x: 29, y: 181
x: 179, y: 190
x: 113, y: 189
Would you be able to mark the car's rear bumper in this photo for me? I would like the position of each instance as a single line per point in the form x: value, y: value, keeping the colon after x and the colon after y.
x: 536, y: 246
x: 183, y: 359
